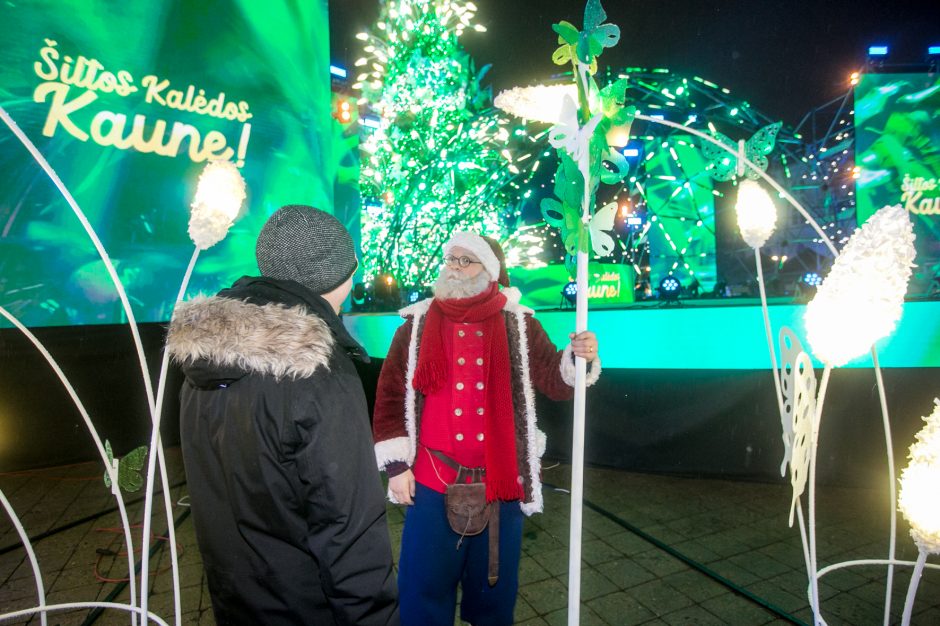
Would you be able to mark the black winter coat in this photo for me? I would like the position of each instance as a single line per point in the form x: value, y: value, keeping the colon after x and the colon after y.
x: 287, y: 501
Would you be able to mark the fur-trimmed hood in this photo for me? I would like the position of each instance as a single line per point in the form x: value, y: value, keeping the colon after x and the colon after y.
x: 234, y: 337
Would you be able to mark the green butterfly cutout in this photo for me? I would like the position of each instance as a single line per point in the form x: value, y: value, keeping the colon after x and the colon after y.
x: 129, y: 476
x: 723, y: 165
x: 596, y: 35
x: 588, y: 44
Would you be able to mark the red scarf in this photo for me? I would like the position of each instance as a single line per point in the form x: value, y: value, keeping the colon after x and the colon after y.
x: 431, y: 373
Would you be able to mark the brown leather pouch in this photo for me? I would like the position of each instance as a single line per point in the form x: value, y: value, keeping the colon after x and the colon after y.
x: 467, y: 510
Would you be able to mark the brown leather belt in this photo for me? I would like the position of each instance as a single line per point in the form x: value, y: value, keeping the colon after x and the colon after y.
x: 476, y: 475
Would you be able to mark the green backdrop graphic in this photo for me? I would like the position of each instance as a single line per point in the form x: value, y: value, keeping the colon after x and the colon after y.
x: 127, y: 100
x: 897, y: 145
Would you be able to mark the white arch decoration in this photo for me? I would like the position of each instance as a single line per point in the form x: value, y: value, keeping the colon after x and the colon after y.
x: 204, y: 236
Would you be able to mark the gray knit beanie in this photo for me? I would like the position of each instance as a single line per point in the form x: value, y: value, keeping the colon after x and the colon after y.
x: 306, y: 245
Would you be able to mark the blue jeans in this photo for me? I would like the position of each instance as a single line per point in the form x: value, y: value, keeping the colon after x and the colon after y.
x: 430, y: 567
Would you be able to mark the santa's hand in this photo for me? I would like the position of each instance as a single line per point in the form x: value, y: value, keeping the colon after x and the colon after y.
x: 403, y: 487
x: 584, y: 345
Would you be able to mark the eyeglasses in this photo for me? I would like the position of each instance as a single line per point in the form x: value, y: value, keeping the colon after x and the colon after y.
x: 460, y: 261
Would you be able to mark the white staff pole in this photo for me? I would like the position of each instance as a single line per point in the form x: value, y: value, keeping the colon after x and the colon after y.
x: 577, y: 431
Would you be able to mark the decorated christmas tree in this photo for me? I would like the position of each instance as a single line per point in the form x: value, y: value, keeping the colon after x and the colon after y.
x: 439, y: 160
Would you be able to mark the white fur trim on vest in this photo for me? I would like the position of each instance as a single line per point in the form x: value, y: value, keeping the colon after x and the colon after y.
x: 567, y: 369
x: 391, y: 450
x: 478, y: 246
x: 411, y: 418
x: 535, y: 439
x: 535, y: 459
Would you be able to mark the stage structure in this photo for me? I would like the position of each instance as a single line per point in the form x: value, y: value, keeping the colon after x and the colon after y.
x: 672, y: 216
x: 673, y: 211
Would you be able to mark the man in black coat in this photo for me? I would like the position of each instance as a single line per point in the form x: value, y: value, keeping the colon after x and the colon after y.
x: 287, y: 502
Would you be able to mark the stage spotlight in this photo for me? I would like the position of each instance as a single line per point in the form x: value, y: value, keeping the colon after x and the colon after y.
x: 812, y: 279
x: 570, y: 292
x: 669, y: 288
x: 933, y: 51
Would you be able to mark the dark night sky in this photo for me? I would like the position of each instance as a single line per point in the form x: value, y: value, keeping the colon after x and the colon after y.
x: 784, y: 57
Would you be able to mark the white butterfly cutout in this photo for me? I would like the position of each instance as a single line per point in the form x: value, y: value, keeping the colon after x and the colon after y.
x: 603, y: 220
x: 790, y: 348
x: 804, y: 416
x: 568, y: 136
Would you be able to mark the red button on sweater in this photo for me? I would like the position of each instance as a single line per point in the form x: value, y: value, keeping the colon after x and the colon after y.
x: 453, y: 418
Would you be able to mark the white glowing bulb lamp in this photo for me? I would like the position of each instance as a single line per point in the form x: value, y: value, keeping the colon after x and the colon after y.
x: 217, y: 203
x: 919, y: 502
x: 862, y: 298
x: 757, y: 215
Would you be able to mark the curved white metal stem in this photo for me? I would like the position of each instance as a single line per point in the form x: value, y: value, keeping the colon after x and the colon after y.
x: 70, y: 606
x: 805, y: 542
x: 768, y: 331
x: 912, y: 588
x: 864, y: 562
x: 156, y: 448
x: 770, y: 181
x: 112, y: 273
x: 128, y: 538
x: 814, y: 579
x: 892, y: 485
x: 37, y: 574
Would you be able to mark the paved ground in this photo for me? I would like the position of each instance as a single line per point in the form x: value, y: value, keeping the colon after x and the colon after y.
x: 656, y: 550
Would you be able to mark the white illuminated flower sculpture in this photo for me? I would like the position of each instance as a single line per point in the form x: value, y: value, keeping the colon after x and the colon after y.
x: 541, y: 103
x: 861, y: 299
x: 218, y: 201
x: 919, y: 500
x: 757, y: 215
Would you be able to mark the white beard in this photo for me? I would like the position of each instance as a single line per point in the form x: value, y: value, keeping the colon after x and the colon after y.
x: 451, y: 285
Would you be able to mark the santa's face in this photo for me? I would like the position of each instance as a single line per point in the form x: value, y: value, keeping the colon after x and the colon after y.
x: 463, y: 262
x: 458, y: 280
